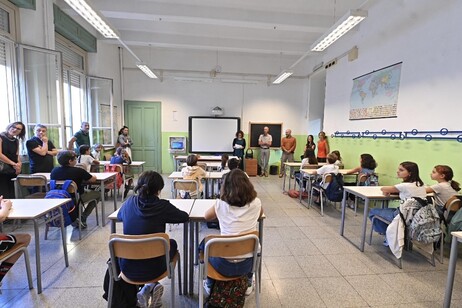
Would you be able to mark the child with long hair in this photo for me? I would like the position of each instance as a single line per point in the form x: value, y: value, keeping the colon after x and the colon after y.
x: 411, y: 187
x: 238, y: 211
x: 192, y: 172
x: 339, y: 161
x: 85, y: 158
x: 367, y: 167
x: 147, y: 213
x: 446, y: 187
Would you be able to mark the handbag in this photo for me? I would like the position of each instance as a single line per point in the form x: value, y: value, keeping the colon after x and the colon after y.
x: 249, y: 153
x: 6, y: 168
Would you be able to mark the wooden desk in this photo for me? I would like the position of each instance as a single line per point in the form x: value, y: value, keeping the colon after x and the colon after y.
x: 102, y: 179
x: 211, y: 165
x: 368, y: 193
x: 184, y: 205
x: 291, y: 166
x: 34, y: 209
x: 178, y: 159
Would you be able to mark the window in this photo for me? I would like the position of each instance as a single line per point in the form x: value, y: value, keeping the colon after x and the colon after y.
x: 8, y: 92
x: 101, y: 110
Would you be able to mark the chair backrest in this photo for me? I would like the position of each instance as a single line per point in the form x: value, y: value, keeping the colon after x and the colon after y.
x: 326, y: 178
x: 186, y: 185
x: 228, y: 246
x: 139, y: 247
x: 309, y: 166
x: 362, y: 178
x: 31, y: 180
x: 202, y: 165
x: 453, y: 204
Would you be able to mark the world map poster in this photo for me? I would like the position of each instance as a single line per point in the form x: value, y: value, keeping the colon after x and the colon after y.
x: 375, y: 95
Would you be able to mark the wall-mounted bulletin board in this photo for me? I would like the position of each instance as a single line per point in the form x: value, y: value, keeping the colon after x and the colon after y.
x: 256, y: 129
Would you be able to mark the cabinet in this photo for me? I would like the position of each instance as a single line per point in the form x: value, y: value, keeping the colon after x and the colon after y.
x: 251, y: 167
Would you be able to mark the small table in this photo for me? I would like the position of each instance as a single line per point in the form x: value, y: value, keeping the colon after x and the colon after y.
x: 456, y: 238
x: 368, y: 193
x: 101, y: 179
x: 25, y: 209
x: 291, y: 166
x: 179, y: 159
x: 184, y: 205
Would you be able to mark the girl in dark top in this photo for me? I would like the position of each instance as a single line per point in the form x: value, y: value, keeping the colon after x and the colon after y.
x: 9, y: 155
x: 310, y: 147
x: 146, y: 213
x: 238, y: 147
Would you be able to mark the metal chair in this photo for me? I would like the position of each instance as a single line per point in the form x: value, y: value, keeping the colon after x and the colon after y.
x: 31, y: 181
x: 186, y: 185
x: 140, y: 247
x: 73, y: 190
x: 326, y: 179
x: 122, y: 180
x: 227, y: 246
x: 361, y: 180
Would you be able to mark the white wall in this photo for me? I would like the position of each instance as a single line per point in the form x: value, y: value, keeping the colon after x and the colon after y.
x: 425, y: 36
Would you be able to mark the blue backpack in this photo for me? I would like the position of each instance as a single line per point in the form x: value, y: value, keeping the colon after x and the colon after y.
x: 334, y: 192
x: 69, y: 207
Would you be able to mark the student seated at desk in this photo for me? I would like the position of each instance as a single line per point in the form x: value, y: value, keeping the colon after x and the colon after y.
x: 9, y: 241
x: 308, y: 159
x: 237, y: 211
x: 85, y: 158
x: 146, y: 213
x: 339, y: 161
x: 68, y: 171
x: 330, y: 167
x: 446, y: 187
x: 367, y: 167
x: 224, y: 162
x: 411, y: 187
x: 192, y: 172
x: 120, y: 157
x: 96, y: 152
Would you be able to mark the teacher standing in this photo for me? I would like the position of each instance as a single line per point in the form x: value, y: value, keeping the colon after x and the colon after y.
x: 125, y: 140
x: 9, y: 155
x: 323, y: 147
x: 264, y: 141
x: 238, y: 148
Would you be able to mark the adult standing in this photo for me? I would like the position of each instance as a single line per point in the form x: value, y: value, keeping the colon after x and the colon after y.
x: 288, y: 145
x: 310, y: 146
x: 40, y: 150
x: 125, y: 140
x: 323, y: 147
x: 264, y: 141
x: 81, y: 137
x: 238, y: 148
x: 9, y: 155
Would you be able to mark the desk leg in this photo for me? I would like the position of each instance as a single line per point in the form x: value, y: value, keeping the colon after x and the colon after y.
x: 185, y: 258
x: 37, y: 257
x: 63, y: 237
x: 451, y: 272
x: 342, y: 223
x: 196, y: 243
x: 191, y: 257
x: 115, y: 199
x: 284, y: 180
x: 113, y: 226
x: 364, y: 226
x: 103, y: 214
x: 260, y: 235
x: 290, y: 176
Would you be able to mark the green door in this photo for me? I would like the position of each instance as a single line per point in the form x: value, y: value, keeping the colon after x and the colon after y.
x: 143, y: 120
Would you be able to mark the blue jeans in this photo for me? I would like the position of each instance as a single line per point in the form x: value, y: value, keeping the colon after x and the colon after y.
x: 387, y: 214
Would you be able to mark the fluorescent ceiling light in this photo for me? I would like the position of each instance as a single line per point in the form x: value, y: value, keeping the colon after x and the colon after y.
x: 282, y: 76
x: 90, y: 15
x: 342, y: 26
x: 146, y: 70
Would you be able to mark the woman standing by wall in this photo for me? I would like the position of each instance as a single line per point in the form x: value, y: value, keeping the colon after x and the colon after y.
x: 9, y: 156
x: 125, y: 140
x: 323, y: 147
x: 238, y: 148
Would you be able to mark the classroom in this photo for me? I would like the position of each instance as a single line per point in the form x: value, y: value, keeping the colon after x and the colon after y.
x: 219, y: 60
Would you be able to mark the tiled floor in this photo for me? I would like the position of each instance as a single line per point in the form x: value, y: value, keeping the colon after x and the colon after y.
x: 306, y: 263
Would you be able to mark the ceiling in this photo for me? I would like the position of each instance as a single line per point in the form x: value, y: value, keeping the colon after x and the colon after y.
x: 258, y: 27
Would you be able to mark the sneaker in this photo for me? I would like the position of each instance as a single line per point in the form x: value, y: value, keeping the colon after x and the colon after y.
x: 207, y: 289
x: 144, y: 294
x: 156, y: 296
x: 385, y: 242
x: 281, y: 175
x: 77, y: 222
x: 250, y: 288
x: 351, y: 204
x: 261, y: 174
x: 266, y: 174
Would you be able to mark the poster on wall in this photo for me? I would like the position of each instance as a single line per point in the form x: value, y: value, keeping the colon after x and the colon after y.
x: 375, y: 95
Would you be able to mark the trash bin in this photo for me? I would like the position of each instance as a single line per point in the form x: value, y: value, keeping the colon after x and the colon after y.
x: 274, y: 169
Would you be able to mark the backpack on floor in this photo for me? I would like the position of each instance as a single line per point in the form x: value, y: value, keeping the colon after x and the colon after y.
x: 228, y: 294
x: 68, y: 208
x: 334, y: 192
x: 426, y: 226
